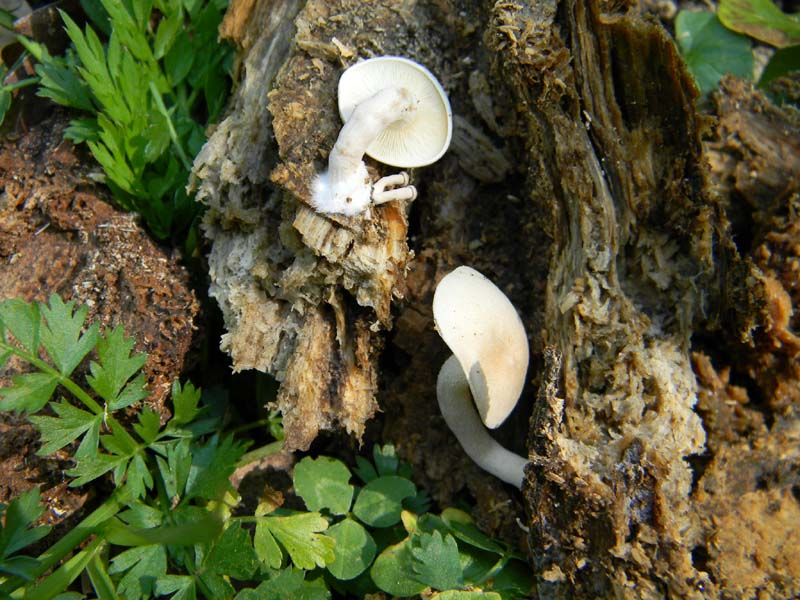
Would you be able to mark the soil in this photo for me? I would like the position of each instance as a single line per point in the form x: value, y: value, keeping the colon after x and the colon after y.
x: 60, y: 234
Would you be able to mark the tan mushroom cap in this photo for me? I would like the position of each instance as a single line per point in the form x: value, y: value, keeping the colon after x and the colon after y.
x: 483, y: 330
x: 416, y: 142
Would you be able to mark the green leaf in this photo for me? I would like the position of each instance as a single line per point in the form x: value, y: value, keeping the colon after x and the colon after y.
x: 90, y: 467
x: 95, y: 11
x: 29, y: 393
x: 23, y: 321
x: 185, y: 403
x: 82, y: 130
x: 392, y: 571
x: 300, y: 535
x: 20, y: 514
x: 138, y: 477
x: 710, y: 50
x: 168, y: 30
x: 23, y: 567
x: 181, y: 586
x: 464, y: 528
x: 67, y: 426
x: 385, y: 458
x: 5, y: 103
x: 212, y: 465
x: 233, y: 555
x: 61, y: 83
x: 322, y: 483
x: 762, y: 20
x: 289, y: 583
x: 97, y: 570
x: 783, y: 62
x: 354, y: 552
x: 179, y: 60
x: 202, y: 528
x: 148, y: 426
x: 115, y: 367
x: 266, y: 547
x: 175, y: 468
x: 365, y: 470
x: 142, y: 566
x: 380, y: 501
x: 436, y: 562
x: 62, y: 335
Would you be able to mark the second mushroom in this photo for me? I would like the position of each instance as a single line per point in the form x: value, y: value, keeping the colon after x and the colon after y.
x: 487, y: 370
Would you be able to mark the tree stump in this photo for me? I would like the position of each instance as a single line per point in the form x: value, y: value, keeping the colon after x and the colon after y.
x: 577, y: 180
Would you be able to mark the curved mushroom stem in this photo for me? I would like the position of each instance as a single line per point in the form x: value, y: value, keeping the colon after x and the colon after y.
x: 458, y: 410
x: 345, y: 188
x: 401, y: 190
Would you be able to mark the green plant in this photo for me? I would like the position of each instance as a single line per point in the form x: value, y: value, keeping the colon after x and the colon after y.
x: 162, y: 463
x: 713, y: 45
x: 386, y: 540
x: 146, y: 94
x: 174, y: 525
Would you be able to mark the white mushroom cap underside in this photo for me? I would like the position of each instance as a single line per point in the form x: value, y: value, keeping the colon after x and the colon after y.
x: 421, y: 140
x: 483, y: 330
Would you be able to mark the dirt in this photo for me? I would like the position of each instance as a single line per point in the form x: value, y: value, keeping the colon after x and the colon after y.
x: 59, y: 234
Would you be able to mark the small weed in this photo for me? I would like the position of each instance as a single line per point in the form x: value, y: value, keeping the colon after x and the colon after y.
x: 171, y: 527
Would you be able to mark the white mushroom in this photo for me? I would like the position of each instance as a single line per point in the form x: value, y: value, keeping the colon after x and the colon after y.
x: 395, y: 111
x: 489, y: 363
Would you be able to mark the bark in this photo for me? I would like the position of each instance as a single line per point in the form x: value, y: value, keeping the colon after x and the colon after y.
x: 578, y: 181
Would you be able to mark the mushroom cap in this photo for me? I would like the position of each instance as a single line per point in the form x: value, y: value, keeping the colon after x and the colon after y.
x: 482, y: 328
x: 413, y: 142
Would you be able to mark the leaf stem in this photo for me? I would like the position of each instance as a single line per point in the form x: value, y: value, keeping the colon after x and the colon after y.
x: 259, y: 453
x: 56, y: 583
x: 63, y: 380
x: 172, y: 133
x: 20, y: 84
x: 74, y: 537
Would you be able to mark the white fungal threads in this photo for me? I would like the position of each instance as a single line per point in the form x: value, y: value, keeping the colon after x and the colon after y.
x: 395, y: 112
x: 346, y: 188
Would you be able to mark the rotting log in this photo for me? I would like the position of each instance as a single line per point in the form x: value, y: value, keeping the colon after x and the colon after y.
x: 578, y: 182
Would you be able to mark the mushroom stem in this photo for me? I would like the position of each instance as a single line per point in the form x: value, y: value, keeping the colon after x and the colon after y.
x: 370, y: 117
x: 458, y: 409
x: 400, y: 189
x: 346, y: 187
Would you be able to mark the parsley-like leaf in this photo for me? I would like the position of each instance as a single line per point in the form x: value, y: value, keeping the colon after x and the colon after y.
x: 62, y: 335
x: 15, y: 526
x: 181, y: 586
x: 30, y: 392
x: 142, y: 567
x: 115, y: 367
x: 185, y: 402
x: 436, y: 561
x: 233, y: 554
x: 289, y: 583
x: 301, y: 536
x: 212, y: 465
x: 68, y: 425
x: 22, y: 319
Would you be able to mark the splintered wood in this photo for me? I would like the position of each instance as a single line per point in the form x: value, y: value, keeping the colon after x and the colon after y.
x: 303, y: 295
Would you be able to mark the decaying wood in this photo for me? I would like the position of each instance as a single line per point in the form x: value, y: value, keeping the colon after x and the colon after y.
x: 578, y: 181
